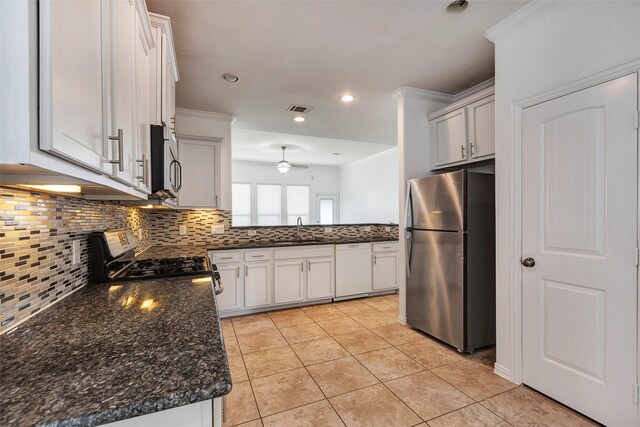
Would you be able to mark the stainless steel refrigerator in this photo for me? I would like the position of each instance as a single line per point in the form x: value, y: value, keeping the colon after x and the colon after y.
x: 450, y: 237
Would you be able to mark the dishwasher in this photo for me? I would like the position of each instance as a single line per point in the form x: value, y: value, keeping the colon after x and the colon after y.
x: 353, y: 269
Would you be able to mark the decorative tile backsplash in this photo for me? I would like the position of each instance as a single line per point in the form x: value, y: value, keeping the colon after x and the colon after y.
x: 165, y: 229
x: 37, y: 231
x: 36, y: 234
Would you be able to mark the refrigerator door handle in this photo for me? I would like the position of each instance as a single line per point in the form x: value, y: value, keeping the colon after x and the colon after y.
x: 409, y: 247
x: 408, y: 208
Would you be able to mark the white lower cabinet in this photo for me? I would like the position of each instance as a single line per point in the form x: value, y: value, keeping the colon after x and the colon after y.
x: 385, y: 271
x: 289, y: 281
x: 207, y: 413
x: 320, y: 278
x: 232, y: 297
x: 258, y: 282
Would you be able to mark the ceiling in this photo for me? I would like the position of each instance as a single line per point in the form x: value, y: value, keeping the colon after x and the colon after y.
x: 253, y: 145
x: 311, y: 52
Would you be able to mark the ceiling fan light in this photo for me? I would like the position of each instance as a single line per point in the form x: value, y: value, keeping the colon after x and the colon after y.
x: 283, y: 167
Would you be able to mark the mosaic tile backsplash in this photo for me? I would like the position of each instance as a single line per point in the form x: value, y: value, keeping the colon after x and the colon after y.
x: 36, y: 234
x: 37, y: 231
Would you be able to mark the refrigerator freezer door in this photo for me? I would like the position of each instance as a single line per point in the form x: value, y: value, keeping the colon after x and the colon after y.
x: 436, y: 202
x: 435, y: 294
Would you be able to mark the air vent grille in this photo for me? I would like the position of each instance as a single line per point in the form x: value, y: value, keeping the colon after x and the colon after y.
x: 299, y: 108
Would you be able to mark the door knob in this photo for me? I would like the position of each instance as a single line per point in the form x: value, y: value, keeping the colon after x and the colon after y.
x: 528, y: 262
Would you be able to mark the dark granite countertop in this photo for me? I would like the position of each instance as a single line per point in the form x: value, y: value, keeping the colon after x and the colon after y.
x: 200, y: 249
x: 114, y: 351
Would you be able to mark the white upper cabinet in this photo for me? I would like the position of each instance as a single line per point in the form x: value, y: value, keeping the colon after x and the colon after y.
x: 121, y: 96
x: 449, y: 137
x: 198, y: 172
x: 463, y: 132
x: 481, y: 129
x: 143, y: 114
x: 94, y: 98
x: 71, y: 81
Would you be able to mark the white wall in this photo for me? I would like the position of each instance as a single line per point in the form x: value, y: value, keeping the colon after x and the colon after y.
x: 542, y: 47
x: 369, y: 189
x: 320, y: 179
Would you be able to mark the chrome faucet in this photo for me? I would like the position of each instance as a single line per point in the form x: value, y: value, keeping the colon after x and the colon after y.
x: 299, y: 227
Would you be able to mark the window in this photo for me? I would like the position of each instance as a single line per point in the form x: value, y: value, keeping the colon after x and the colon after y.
x: 269, y: 204
x: 241, y: 205
x: 297, y: 204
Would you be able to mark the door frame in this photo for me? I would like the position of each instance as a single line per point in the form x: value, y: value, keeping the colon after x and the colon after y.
x: 515, y: 274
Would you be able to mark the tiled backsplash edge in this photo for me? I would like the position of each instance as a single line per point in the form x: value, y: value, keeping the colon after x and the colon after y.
x: 37, y: 231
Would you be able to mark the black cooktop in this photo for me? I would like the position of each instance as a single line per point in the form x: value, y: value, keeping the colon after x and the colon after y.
x: 168, y: 267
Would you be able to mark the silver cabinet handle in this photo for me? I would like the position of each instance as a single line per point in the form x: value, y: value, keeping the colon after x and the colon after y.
x: 146, y: 172
x: 120, y: 161
x: 308, y: 265
x: 462, y: 149
x: 216, y: 201
x: 471, y: 145
x: 374, y: 259
x: 246, y: 271
x: 143, y: 178
x: 238, y: 271
x: 302, y: 266
x: 226, y: 257
x: 257, y: 256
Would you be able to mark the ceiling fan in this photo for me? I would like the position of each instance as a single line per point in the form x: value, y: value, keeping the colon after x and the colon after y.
x: 283, y: 166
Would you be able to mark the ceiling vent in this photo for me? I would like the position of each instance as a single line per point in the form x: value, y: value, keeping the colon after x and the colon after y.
x: 299, y: 109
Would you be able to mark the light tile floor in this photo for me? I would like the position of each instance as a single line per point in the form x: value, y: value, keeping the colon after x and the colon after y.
x: 352, y: 363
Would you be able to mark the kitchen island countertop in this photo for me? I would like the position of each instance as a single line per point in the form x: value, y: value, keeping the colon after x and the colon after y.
x: 114, y: 351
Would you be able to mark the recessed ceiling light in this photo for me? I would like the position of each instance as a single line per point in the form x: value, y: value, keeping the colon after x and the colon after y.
x: 346, y: 98
x: 230, y: 77
x: 54, y: 188
x: 299, y: 119
x: 457, y: 6
x: 336, y: 154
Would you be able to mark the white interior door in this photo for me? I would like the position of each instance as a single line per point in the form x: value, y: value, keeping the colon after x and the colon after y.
x: 579, y: 222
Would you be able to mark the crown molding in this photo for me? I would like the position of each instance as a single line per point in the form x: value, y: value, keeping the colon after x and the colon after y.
x: 475, y: 89
x: 519, y: 18
x: 206, y: 114
x: 427, y: 95
x: 164, y: 22
x: 143, y: 14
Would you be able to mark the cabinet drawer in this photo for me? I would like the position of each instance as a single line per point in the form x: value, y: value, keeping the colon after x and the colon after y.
x: 222, y: 257
x: 303, y: 252
x: 257, y: 255
x: 385, y: 247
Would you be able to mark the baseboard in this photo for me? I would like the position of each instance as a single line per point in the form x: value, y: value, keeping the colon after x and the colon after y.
x: 402, y: 320
x: 503, y: 372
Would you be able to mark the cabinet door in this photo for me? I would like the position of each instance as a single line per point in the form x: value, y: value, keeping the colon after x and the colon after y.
x: 232, y: 297
x: 385, y: 271
x: 481, y: 119
x: 258, y: 281
x: 122, y: 94
x: 449, y: 138
x: 199, y: 161
x: 71, y: 81
x: 143, y: 130
x: 320, y: 277
x: 289, y: 281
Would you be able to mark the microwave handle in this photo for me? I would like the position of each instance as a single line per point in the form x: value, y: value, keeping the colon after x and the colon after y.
x: 179, y: 174
x: 173, y: 176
